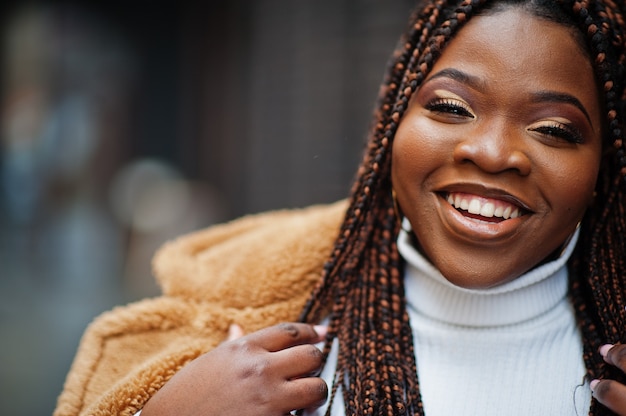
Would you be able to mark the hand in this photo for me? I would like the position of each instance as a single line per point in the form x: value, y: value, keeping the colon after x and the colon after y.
x: 609, y: 392
x: 269, y: 372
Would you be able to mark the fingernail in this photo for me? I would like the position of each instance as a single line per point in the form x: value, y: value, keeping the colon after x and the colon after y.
x: 604, y: 350
x: 234, y: 332
x: 321, y: 330
x: 593, y: 384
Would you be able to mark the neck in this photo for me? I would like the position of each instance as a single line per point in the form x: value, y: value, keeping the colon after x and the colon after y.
x: 522, y: 299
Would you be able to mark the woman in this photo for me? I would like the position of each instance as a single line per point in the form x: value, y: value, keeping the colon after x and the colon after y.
x: 479, y: 267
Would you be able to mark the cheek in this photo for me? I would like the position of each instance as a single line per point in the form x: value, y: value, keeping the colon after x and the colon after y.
x: 572, y: 186
x: 416, y: 146
x: 407, y: 141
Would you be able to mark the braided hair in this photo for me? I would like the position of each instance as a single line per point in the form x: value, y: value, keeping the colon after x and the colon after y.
x: 362, y: 287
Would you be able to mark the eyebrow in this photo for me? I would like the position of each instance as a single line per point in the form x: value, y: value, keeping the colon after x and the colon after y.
x: 558, y: 97
x: 479, y: 84
x: 460, y: 76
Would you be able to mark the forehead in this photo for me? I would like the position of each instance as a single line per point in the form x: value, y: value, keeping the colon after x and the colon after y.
x: 520, y: 37
x: 516, y: 50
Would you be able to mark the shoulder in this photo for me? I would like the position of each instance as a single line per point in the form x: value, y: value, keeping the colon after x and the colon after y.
x: 255, y: 271
x: 251, y: 261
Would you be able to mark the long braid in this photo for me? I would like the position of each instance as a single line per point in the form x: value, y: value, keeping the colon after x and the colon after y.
x: 363, y: 279
x: 362, y: 290
x: 599, y: 271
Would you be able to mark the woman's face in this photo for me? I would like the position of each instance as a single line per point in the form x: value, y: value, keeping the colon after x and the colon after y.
x: 496, y: 158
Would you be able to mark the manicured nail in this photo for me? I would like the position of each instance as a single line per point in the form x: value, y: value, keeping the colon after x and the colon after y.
x: 593, y: 384
x: 604, y: 350
x: 234, y: 332
x: 321, y: 330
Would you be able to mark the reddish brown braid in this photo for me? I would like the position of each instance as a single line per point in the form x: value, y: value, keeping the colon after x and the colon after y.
x: 598, y: 267
x: 362, y: 289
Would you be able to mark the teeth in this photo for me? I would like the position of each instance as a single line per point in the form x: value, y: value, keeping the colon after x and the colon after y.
x: 478, y: 206
x: 474, y: 207
x: 488, y: 210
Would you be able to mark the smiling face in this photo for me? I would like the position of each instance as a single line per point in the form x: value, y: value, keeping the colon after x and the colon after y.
x: 496, y: 158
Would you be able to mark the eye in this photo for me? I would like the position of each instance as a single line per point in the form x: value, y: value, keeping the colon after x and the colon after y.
x: 559, y: 131
x: 449, y: 107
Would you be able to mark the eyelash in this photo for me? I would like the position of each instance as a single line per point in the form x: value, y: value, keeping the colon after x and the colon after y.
x: 458, y: 109
x: 449, y: 106
x: 560, y: 131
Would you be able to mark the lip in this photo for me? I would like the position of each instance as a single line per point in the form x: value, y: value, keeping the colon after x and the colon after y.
x: 487, y: 192
x: 476, y: 230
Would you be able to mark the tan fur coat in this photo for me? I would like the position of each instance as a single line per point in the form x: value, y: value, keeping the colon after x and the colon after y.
x: 255, y: 271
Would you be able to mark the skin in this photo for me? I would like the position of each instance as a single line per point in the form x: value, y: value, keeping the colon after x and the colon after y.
x: 506, y: 137
x: 509, y: 122
x: 268, y: 372
x: 609, y: 392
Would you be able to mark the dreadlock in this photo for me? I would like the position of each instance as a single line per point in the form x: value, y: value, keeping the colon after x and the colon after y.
x: 362, y: 287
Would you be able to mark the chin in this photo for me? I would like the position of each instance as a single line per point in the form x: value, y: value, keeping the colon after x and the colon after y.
x: 476, y: 281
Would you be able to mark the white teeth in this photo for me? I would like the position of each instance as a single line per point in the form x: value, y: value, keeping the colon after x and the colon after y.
x: 474, y: 206
x: 486, y: 209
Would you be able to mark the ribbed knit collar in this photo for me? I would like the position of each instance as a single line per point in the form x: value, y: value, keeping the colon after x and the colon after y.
x: 520, y: 300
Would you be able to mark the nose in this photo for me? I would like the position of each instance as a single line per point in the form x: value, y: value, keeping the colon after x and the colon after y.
x: 494, y: 150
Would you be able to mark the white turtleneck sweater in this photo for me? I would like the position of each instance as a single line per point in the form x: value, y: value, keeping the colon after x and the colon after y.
x: 510, y: 350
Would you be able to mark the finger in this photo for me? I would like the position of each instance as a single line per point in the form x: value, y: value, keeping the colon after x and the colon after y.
x: 304, y: 393
x: 614, y: 355
x: 299, y: 361
x: 611, y: 394
x: 281, y: 336
x: 234, y: 332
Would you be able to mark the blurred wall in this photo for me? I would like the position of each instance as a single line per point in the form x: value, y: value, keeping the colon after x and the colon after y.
x: 127, y: 123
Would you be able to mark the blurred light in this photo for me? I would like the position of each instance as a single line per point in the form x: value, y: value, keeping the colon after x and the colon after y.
x: 149, y: 195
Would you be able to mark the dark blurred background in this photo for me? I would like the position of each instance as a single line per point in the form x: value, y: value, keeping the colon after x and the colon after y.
x: 126, y: 123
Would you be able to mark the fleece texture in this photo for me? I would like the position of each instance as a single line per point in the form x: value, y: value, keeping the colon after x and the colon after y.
x: 255, y: 271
